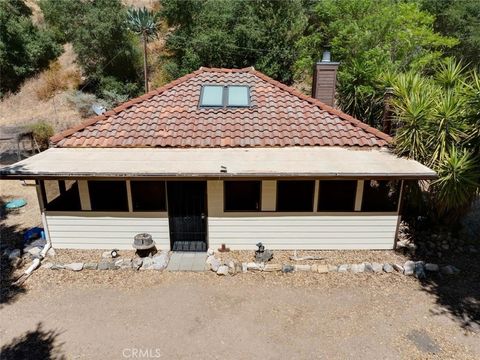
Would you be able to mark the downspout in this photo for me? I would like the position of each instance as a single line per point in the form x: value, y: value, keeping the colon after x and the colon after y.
x: 36, y: 262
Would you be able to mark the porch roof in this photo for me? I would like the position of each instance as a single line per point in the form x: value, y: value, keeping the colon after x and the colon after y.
x: 208, y: 162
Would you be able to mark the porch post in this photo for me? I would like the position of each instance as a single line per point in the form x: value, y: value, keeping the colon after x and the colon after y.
x: 359, y: 195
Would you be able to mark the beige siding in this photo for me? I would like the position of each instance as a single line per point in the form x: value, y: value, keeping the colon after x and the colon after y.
x: 105, y: 230
x: 312, y: 230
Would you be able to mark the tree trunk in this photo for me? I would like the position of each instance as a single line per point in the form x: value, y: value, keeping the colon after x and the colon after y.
x: 145, y: 70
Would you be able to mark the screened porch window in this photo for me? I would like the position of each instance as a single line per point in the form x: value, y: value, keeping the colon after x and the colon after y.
x: 380, y: 195
x: 337, y: 195
x: 148, y: 195
x: 242, y: 195
x: 293, y: 195
x: 108, y: 195
x: 61, y: 195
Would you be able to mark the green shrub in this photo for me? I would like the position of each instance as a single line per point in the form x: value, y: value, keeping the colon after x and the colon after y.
x: 42, y: 132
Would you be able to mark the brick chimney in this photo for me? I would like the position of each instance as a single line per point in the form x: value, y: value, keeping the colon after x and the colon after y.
x: 325, y: 79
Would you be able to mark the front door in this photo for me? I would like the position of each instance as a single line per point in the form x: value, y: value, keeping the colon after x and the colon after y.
x: 187, y: 214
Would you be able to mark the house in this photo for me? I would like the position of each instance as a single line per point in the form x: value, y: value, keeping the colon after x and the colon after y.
x: 222, y: 156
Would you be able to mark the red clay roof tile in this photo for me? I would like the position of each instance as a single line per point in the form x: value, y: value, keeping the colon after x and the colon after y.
x: 170, y: 117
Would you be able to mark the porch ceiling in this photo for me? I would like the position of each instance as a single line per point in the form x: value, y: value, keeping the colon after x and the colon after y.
x: 208, y: 162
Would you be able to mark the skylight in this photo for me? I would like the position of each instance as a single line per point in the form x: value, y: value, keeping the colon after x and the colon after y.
x: 231, y: 96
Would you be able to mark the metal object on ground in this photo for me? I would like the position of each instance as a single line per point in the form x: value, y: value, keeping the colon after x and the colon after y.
x: 223, y: 248
x: 262, y: 255
x: 143, y: 241
x: 15, y: 204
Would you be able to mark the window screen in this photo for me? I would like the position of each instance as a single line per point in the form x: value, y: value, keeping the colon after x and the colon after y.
x: 337, y: 195
x: 61, y: 195
x: 212, y: 95
x: 242, y: 195
x: 380, y: 195
x: 295, y: 195
x: 238, y: 96
x: 148, y: 195
x: 108, y: 195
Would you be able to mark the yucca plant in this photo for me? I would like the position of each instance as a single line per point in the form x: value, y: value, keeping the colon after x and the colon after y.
x: 143, y: 22
x: 458, y: 181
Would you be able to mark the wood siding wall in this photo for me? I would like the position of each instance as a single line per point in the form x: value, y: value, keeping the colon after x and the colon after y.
x: 83, y: 230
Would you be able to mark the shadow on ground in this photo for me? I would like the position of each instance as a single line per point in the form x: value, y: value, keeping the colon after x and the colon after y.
x: 459, y: 294
x: 34, y: 344
x: 11, y: 236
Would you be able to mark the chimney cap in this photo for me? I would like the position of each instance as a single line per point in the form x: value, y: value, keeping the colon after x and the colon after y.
x: 327, y: 59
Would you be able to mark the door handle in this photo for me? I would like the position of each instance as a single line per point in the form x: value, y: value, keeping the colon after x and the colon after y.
x: 203, y: 216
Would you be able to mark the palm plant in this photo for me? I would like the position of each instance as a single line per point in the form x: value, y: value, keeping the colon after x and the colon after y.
x: 143, y: 22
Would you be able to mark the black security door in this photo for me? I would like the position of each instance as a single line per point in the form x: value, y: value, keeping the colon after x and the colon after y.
x: 187, y: 215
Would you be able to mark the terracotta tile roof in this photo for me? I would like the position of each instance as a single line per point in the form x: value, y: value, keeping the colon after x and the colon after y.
x: 170, y: 117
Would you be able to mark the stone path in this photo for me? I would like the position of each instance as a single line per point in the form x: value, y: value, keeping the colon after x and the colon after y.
x: 187, y: 261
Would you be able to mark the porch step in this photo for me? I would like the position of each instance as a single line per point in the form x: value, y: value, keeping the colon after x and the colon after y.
x: 196, y: 246
x: 187, y: 261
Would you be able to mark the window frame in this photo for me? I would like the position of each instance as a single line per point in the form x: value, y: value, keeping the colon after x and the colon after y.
x: 242, y: 211
x: 127, y: 208
x: 46, y: 205
x: 337, y: 211
x: 225, y: 92
x: 164, y: 209
x: 398, y: 193
x: 295, y: 211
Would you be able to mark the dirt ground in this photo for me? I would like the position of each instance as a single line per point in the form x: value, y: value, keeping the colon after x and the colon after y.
x: 202, y: 316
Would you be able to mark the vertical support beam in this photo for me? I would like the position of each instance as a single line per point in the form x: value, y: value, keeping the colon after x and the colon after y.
x: 45, y: 227
x: 215, y: 197
x: 269, y: 195
x: 129, y: 196
x: 316, y: 193
x: 399, y: 209
x: 359, y: 195
x: 84, y: 195
x: 40, y: 195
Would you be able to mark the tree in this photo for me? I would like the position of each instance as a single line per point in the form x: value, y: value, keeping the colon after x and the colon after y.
x: 25, y: 49
x: 106, y: 50
x: 144, y: 23
x: 370, y: 38
x: 229, y: 33
x: 460, y: 19
x: 439, y: 127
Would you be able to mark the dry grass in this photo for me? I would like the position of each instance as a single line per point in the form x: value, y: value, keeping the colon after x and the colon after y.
x: 24, y: 107
x: 57, y: 79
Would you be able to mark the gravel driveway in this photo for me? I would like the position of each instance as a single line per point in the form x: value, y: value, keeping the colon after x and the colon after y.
x: 202, y: 316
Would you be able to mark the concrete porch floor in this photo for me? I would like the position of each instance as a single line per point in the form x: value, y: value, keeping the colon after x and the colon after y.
x: 187, y: 261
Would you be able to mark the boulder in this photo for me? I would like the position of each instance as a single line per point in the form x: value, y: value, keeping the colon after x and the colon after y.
x: 332, y: 268
x: 210, y: 252
x: 107, y: 254
x: 160, y: 261
x: 57, y: 267
x: 253, y: 266
x: 15, y: 253
x: 387, y: 268
x: 302, y: 267
x: 264, y: 256
x: 287, y: 268
x: 343, y: 268
x: 398, y: 268
x: 137, y: 263
x: 213, y: 263
x: 34, y: 252
x: 74, y: 266
x: 432, y: 267
x: 106, y: 265
x: 409, y: 268
x: 90, y: 266
x: 368, y: 267
x: 273, y: 267
x: 244, y: 267
x: 124, y: 263
x: 420, y: 270
x: 357, y: 268
x: 377, y: 267
x: 450, y: 270
x: 322, y: 269
x: 238, y: 267
x: 222, y: 270
x: 147, y: 263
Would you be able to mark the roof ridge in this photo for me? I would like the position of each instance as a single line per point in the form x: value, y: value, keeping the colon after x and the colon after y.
x: 127, y: 104
x: 323, y: 106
